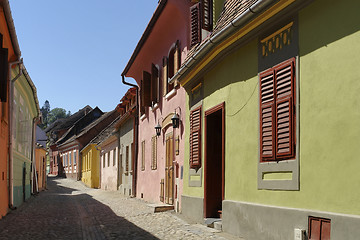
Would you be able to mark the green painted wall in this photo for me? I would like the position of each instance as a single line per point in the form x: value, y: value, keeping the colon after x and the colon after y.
x: 329, y: 115
x: 22, y: 139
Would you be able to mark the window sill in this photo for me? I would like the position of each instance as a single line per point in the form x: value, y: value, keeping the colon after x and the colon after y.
x: 170, y: 94
x: 156, y: 106
x: 142, y: 118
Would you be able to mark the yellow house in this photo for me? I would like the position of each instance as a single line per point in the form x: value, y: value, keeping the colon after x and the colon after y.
x: 90, y: 166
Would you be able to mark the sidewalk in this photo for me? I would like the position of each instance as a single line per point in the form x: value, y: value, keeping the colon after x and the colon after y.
x: 70, y: 210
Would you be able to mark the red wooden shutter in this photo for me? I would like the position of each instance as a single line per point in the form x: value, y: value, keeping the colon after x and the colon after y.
x: 207, y: 15
x: 285, y: 83
x: 3, y: 74
x: 195, y: 27
x: 267, y: 116
x: 165, y: 75
x: 154, y: 83
x: 147, y: 89
x: 195, y: 138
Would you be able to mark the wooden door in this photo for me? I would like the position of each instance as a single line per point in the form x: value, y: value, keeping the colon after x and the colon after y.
x: 169, y: 170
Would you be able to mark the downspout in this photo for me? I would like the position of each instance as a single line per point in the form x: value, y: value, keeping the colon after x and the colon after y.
x: 253, y: 10
x: 10, y: 114
x: 135, y: 137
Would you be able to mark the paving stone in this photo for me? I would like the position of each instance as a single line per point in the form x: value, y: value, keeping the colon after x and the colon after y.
x: 70, y: 210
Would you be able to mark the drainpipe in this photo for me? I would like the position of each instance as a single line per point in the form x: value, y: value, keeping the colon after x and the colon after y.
x: 135, y: 137
x: 10, y: 114
x: 243, y: 18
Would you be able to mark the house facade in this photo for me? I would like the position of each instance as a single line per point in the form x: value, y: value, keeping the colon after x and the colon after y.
x: 78, y: 137
x: 25, y: 116
x: 156, y: 58
x: 10, y: 54
x: 41, y: 159
x: 71, y: 142
x: 90, y: 166
x: 269, y: 120
x: 126, y: 135
x: 56, y: 131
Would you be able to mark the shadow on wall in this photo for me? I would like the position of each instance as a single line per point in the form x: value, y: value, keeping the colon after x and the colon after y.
x: 61, y: 213
x: 341, y: 19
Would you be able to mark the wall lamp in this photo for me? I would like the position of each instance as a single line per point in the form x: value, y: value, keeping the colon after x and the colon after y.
x: 158, y: 128
x: 175, y: 119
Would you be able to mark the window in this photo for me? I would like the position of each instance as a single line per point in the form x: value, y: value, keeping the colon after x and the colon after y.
x: 70, y: 158
x: 143, y: 155
x: 127, y: 159
x: 171, y: 65
x: 277, y: 112
x: 75, y: 157
x: 154, y: 84
x: 154, y: 153
x: 319, y: 228
x: 201, y: 17
x: 108, y: 158
x: 195, y: 138
x: 103, y: 157
x: 146, y: 90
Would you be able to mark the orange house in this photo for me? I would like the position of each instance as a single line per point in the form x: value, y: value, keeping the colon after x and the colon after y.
x: 9, y: 55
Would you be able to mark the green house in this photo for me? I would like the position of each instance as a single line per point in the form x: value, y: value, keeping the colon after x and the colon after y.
x: 273, y: 118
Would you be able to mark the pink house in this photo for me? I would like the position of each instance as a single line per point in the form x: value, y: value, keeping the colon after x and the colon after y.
x: 156, y: 58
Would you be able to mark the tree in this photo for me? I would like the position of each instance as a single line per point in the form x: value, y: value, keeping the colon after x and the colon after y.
x: 45, y: 110
x: 50, y: 116
x: 56, y: 114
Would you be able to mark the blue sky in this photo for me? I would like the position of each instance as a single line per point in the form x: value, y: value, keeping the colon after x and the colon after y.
x: 75, y: 51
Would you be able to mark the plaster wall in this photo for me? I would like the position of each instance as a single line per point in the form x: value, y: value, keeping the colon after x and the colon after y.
x: 109, y: 170
x: 126, y: 138
x: 328, y: 119
x: 172, y: 25
x: 90, y: 166
x: 24, y: 111
x: 40, y: 156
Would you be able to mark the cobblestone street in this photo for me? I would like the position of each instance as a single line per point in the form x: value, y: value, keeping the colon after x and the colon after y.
x: 70, y: 210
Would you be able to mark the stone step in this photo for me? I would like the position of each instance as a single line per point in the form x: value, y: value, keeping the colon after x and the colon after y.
x: 161, y: 207
x: 210, y: 221
x: 218, y: 225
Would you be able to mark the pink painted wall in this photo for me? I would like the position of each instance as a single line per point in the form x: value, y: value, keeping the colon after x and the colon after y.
x: 109, y: 172
x: 172, y: 25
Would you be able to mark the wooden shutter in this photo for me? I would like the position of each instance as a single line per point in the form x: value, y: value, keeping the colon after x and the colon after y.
x: 127, y: 159
x: 285, y: 82
x: 195, y: 138
x: 143, y: 155
x: 154, y: 83
x: 207, y: 15
x: 165, y: 75
x: 267, y: 116
x: 3, y: 74
x: 195, y: 27
x: 154, y: 153
x: 147, y: 89
x: 277, y: 112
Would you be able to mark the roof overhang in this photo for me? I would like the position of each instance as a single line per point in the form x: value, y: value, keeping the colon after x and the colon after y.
x: 145, y: 35
x: 11, y: 26
x: 214, y: 48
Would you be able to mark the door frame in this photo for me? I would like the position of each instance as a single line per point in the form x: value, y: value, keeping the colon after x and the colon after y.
x: 219, y: 107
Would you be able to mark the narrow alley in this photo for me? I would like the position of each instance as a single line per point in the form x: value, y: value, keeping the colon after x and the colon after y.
x: 70, y: 210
